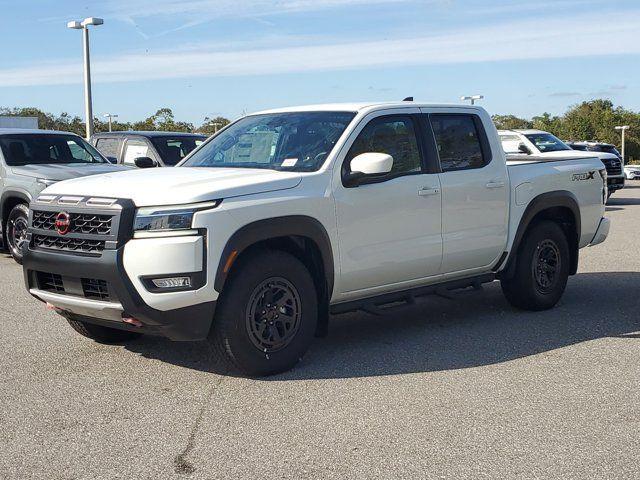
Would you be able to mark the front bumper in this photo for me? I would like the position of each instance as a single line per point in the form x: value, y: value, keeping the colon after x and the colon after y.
x: 191, y: 322
x: 615, y: 183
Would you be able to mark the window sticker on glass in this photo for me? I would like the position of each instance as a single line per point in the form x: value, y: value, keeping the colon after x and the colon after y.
x: 289, y: 162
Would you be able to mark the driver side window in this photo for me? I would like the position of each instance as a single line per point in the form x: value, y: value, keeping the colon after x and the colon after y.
x: 394, y: 135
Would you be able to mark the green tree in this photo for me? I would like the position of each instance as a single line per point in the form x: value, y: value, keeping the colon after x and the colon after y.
x: 212, y: 125
x: 510, y: 122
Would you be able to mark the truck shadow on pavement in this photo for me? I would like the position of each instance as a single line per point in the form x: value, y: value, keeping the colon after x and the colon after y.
x: 614, y: 202
x: 474, y: 329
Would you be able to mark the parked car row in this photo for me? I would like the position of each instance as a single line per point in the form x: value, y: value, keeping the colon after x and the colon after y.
x: 519, y: 143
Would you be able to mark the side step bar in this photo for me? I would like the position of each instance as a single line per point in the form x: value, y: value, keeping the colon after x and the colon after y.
x: 381, y: 304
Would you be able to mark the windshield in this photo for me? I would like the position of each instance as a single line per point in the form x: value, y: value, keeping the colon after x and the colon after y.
x: 34, y: 149
x: 545, y: 142
x: 174, y: 149
x: 298, y: 142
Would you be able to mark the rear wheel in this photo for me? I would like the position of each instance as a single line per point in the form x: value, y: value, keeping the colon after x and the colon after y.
x: 542, y: 269
x: 101, y: 334
x: 267, y: 315
x: 16, y: 230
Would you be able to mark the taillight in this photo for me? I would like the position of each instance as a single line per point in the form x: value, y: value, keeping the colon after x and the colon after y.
x: 605, y: 188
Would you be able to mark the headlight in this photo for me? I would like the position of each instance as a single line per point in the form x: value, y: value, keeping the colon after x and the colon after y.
x: 168, y: 218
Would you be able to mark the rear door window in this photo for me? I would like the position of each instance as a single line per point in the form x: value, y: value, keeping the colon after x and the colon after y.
x: 458, y: 142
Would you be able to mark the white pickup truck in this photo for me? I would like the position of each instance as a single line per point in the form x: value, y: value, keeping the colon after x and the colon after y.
x: 289, y: 215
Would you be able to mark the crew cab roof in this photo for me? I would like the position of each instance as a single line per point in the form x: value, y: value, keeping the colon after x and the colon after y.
x: 363, y: 106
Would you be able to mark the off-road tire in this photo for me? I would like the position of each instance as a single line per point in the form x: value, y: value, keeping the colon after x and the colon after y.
x: 235, y: 344
x: 18, y: 219
x: 531, y: 287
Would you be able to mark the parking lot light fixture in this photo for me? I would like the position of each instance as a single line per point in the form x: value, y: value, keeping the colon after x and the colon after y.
x: 84, y: 26
x: 623, y: 129
x: 472, y: 98
x: 110, y: 116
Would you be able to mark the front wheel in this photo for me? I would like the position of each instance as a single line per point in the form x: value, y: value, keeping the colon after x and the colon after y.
x: 267, y: 314
x: 542, y: 269
x: 16, y: 228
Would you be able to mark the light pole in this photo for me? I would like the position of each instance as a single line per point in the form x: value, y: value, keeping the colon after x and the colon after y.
x: 84, y: 26
x: 623, y: 128
x: 472, y: 98
x: 110, y: 116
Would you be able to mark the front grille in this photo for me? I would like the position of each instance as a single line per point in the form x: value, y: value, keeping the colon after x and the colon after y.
x: 50, y: 281
x: 91, y: 288
x: 86, y: 223
x: 614, y: 167
x: 94, y: 288
x: 68, y: 244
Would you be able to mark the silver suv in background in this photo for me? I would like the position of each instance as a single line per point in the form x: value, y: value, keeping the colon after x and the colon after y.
x: 30, y: 161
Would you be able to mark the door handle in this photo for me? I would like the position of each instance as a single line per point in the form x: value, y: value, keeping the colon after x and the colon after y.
x: 495, y: 184
x: 425, y: 191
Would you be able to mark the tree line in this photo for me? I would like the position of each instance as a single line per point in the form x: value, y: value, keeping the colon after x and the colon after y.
x: 162, y: 120
x: 592, y: 120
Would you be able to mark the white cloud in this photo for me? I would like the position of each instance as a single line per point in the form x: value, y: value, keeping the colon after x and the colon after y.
x: 224, y: 8
x: 520, y: 40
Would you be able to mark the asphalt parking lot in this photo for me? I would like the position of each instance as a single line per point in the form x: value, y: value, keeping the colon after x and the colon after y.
x: 468, y: 388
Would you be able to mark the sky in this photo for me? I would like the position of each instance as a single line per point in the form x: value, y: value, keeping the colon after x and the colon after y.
x: 229, y: 57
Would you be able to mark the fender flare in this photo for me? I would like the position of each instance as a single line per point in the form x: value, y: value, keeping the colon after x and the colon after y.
x: 7, y: 194
x: 271, y: 228
x: 544, y: 201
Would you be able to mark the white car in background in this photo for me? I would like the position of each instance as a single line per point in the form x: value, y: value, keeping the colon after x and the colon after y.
x: 632, y: 172
x: 520, y: 144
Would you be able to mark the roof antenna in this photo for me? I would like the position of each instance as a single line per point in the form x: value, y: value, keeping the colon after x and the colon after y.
x: 408, y: 99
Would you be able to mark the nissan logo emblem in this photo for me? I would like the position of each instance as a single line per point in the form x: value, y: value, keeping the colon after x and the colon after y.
x: 63, y: 223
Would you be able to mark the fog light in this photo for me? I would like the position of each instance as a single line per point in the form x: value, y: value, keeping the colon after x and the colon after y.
x: 172, y: 282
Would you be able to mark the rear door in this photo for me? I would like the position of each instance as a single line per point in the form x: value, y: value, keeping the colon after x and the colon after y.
x: 475, y: 190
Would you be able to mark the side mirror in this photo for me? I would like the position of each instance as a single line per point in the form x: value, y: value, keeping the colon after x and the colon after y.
x: 522, y: 148
x: 367, y: 164
x: 145, y: 162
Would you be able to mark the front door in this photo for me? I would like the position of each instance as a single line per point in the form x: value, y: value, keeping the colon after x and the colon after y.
x: 389, y: 231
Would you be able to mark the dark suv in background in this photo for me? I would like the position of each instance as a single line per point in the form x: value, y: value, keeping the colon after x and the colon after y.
x: 615, y: 167
x: 158, y: 149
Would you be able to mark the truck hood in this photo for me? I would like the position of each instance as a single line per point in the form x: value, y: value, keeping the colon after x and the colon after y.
x: 171, y: 186
x: 65, y: 171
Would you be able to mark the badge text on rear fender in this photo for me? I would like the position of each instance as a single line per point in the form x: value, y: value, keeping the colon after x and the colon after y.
x: 578, y: 177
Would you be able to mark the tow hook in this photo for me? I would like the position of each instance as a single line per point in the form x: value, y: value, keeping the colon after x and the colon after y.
x: 132, y: 321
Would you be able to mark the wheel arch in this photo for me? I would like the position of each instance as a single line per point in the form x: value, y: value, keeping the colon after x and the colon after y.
x: 8, y: 200
x: 560, y: 206
x: 303, y: 236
